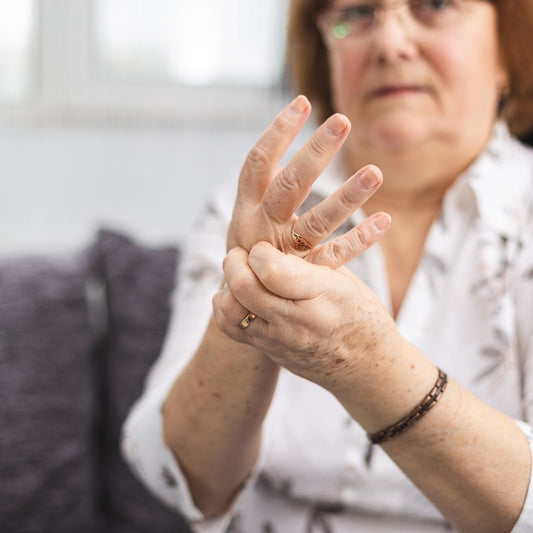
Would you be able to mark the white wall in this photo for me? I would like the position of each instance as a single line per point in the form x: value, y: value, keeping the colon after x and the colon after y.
x: 84, y: 145
x: 57, y: 185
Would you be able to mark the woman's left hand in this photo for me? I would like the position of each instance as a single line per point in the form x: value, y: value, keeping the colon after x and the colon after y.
x: 315, y: 321
x: 268, y: 194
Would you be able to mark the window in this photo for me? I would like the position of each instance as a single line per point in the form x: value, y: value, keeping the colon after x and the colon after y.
x: 18, y: 50
x: 205, y: 43
x: 137, y: 61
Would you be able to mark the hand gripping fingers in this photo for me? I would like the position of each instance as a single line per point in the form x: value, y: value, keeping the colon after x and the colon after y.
x: 284, y: 276
x: 230, y: 315
x: 235, y: 307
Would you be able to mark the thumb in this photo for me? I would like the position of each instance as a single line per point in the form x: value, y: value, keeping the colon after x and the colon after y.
x: 286, y: 275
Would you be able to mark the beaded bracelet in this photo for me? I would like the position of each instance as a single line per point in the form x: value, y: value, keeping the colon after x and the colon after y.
x: 416, y: 414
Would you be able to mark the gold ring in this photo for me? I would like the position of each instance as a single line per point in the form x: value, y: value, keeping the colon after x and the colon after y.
x: 247, y: 320
x: 300, y: 242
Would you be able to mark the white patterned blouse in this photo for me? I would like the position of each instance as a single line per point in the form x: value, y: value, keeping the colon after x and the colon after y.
x: 469, y: 309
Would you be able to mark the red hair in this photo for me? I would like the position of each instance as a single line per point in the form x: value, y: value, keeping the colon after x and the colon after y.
x: 309, y: 68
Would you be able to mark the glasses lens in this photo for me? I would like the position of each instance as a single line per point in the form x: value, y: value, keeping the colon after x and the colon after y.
x: 358, y: 19
x: 352, y: 21
x: 341, y: 30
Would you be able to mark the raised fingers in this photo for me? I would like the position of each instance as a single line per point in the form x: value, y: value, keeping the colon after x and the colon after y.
x: 341, y: 250
x: 262, y: 162
x: 322, y: 220
x: 292, y: 185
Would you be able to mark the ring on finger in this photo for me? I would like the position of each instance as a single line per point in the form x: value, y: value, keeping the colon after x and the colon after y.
x: 299, y: 242
x: 247, y: 320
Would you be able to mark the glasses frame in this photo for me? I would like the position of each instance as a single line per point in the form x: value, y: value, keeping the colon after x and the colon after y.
x: 325, y: 27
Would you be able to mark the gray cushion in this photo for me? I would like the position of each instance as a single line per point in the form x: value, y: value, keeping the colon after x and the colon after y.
x: 139, y: 281
x: 77, y: 337
x: 47, y: 399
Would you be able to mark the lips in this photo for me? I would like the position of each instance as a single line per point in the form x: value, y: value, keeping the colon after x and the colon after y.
x: 396, y: 90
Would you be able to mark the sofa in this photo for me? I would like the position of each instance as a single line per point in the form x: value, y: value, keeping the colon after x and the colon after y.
x: 78, y: 333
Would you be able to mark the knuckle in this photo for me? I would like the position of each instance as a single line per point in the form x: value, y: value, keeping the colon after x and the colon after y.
x: 314, y: 225
x: 215, y: 304
x: 317, y: 149
x: 362, y: 237
x: 220, y: 315
x: 336, y: 252
x: 347, y: 199
x: 280, y: 126
x: 331, y: 254
x: 225, y: 304
x: 288, y: 181
x: 258, y: 158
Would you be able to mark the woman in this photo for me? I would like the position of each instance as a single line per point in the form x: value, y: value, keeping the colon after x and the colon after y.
x: 391, y: 394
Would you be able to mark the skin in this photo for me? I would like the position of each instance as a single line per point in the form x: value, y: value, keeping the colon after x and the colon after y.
x: 466, y: 457
x: 411, y: 135
x: 213, y: 414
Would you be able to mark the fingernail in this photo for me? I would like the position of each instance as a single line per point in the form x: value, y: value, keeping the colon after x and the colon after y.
x: 299, y: 105
x: 336, y: 125
x: 382, y: 221
x: 367, y: 179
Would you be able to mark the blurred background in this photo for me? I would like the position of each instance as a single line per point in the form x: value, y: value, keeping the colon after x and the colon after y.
x: 125, y: 113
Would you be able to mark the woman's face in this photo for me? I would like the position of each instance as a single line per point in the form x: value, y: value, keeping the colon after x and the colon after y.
x: 405, y: 81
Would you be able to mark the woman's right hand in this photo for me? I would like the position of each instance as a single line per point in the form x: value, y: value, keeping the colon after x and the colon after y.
x: 268, y: 195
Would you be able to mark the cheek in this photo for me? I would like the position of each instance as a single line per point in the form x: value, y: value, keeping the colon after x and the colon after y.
x: 470, y: 81
x: 345, y: 80
x: 452, y: 78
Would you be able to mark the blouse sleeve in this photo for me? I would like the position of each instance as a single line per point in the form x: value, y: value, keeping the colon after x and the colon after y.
x: 143, y: 446
x: 524, y: 320
x: 524, y: 523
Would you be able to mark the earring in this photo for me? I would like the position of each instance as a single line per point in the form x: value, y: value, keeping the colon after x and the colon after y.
x: 503, y: 100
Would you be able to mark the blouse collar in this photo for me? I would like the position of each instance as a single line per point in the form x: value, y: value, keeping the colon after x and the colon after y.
x: 501, y: 182
x: 498, y: 183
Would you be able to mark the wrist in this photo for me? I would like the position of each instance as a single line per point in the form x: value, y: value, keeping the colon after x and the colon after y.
x: 396, y: 377
x: 414, y: 416
x: 218, y: 350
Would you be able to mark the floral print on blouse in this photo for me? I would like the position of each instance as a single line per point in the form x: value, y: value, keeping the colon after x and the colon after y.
x: 469, y: 309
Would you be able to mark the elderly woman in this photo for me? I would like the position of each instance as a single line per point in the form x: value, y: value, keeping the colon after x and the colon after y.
x: 338, y: 387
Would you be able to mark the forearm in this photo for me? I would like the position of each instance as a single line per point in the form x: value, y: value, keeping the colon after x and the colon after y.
x: 470, y: 460
x: 213, y: 416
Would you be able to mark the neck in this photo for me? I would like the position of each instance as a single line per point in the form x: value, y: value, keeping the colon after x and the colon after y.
x: 415, y: 182
x: 413, y: 205
x: 416, y: 177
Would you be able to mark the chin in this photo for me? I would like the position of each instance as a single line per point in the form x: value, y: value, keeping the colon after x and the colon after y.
x: 397, y: 132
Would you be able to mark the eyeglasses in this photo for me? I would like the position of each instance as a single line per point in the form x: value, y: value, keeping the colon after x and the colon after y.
x: 358, y: 19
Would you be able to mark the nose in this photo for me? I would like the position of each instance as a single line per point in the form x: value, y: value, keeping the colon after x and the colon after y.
x: 393, y: 36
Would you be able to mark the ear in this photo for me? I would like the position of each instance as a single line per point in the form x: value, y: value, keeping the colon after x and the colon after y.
x: 503, y: 87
